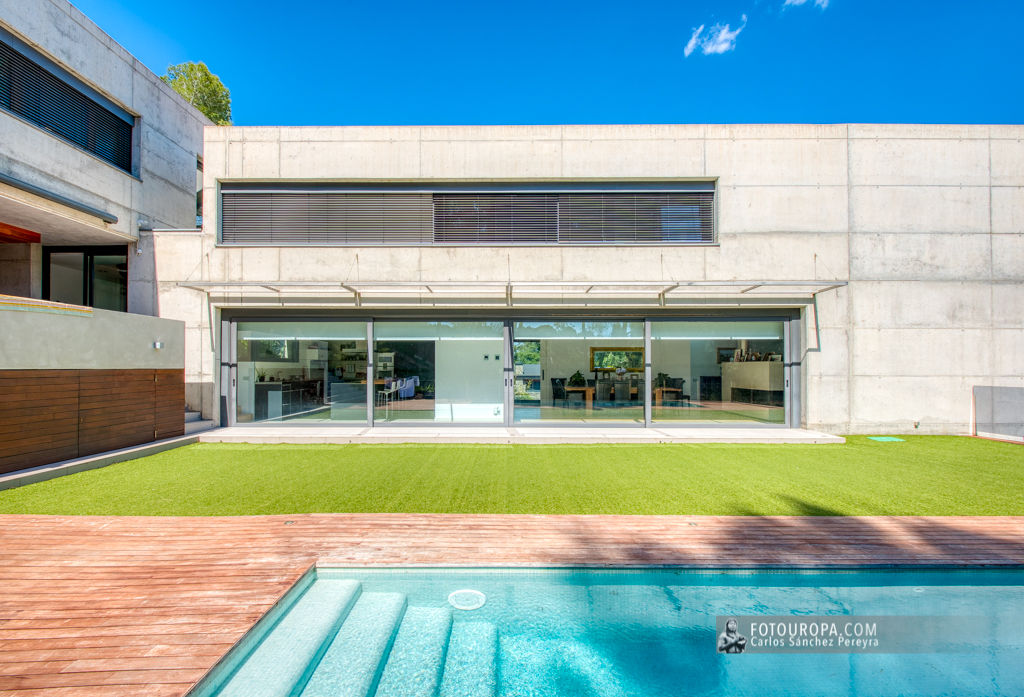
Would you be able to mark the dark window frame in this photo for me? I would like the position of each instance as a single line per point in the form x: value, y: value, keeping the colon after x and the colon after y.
x: 88, y: 275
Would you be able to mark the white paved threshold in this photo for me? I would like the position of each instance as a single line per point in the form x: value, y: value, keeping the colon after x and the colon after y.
x: 486, y: 434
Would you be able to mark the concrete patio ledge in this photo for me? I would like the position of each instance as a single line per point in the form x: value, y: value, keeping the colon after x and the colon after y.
x: 502, y: 435
x: 89, y: 462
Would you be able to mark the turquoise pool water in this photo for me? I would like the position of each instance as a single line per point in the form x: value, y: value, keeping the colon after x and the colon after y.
x: 357, y: 632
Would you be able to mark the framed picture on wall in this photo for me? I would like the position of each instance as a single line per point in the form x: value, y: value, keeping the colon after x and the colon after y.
x: 610, y: 358
x: 270, y: 350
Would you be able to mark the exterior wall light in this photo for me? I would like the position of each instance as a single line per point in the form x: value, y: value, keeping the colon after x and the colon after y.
x: 158, y: 345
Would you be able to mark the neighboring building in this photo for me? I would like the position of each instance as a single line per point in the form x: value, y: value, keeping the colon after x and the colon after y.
x: 850, y: 278
x: 97, y: 151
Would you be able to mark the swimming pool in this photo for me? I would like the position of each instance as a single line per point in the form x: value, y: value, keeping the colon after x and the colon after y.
x: 612, y: 633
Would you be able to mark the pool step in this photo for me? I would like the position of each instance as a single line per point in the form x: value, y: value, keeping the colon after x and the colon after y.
x: 471, y: 667
x: 417, y: 658
x: 543, y: 668
x: 279, y: 662
x: 352, y: 664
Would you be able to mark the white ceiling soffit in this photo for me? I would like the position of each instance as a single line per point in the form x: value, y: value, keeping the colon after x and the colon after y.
x: 510, y: 294
x: 55, y: 224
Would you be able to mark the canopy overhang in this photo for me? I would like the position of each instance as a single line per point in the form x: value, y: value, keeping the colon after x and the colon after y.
x: 511, y: 294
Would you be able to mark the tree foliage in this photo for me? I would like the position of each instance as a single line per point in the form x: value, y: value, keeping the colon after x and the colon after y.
x: 202, y: 89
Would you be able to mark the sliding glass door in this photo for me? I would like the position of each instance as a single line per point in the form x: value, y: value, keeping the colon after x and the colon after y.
x: 302, y: 372
x: 578, y: 371
x: 439, y: 372
x: 718, y: 371
x: 541, y: 371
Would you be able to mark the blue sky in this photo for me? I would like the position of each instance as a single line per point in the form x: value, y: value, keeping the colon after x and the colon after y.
x: 730, y: 61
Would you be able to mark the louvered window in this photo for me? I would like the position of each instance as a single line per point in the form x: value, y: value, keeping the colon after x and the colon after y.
x: 38, y: 95
x: 283, y: 217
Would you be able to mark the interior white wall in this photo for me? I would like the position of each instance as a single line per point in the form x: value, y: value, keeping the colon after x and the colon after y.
x: 468, y: 386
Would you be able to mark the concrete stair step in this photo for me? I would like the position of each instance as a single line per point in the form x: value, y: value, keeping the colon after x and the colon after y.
x: 353, y: 663
x: 417, y: 658
x: 279, y: 663
x: 471, y: 668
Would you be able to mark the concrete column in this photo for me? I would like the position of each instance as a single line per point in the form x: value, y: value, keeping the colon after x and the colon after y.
x: 21, y: 269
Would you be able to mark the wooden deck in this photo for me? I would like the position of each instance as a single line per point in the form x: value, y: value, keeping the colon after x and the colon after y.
x: 114, y: 606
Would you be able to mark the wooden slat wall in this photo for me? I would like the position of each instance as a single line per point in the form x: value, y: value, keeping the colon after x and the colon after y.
x: 52, y: 415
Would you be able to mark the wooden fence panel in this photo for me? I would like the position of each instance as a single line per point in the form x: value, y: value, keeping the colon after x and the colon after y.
x: 52, y: 415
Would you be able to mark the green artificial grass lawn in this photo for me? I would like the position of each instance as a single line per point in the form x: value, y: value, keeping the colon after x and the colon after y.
x: 921, y: 476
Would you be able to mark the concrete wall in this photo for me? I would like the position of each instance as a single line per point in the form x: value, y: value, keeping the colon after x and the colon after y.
x: 21, y: 269
x: 169, y: 133
x: 926, y: 223
x: 43, y: 339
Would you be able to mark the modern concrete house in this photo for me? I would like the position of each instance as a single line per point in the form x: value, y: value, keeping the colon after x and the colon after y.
x: 96, y: 152
x: 848, y: 278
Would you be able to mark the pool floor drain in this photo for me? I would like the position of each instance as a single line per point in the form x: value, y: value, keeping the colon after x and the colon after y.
x: 467, y: 599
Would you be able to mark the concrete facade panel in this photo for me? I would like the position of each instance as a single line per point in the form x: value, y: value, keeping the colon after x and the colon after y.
x: 827, y: 403
x: 777, y: 162
x: 794, y: 256
x: 827, y: 353
x: 917, y: 131
x: 1008, y: 305
x: 920, y: 304
x: 317, y: 263
x: 339, y: 160
x: 833, y: 310
x: 499, y: 159
x: 261, y: 159
x: 262, y: 263
x: 1007, y: 352
x: 633, y: 158
x: 774, y: 131
x: 179, y: 256
x: 907, y: 256
x: 919, y: 209
x: 919, y: 162
x: 1008, y: 162
x: 912, y: 404
x: 782, y: 209
x: 936, y: 352
x: 460, y: 264
x: 1008, y: 209
x: 1008, y: 257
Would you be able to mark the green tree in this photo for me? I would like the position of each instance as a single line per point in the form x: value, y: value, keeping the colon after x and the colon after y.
x: 202, y: 89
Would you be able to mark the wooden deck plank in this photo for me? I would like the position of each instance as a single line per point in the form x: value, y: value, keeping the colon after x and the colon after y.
x: 110, y: 606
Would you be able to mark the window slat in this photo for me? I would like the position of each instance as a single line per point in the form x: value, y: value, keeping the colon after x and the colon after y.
x: 36, y: 95
x: 393, y: 218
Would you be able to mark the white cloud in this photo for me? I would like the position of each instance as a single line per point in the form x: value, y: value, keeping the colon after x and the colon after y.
x: 692, y: 43
x: 720, y: 38
x: 820, y: 3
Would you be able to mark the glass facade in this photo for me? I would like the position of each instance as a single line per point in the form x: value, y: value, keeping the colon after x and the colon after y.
x: 702, y: 371
x: 442, y: 372
x: 578, y: 371
x: 717, y: 371
x: 304, y: 372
